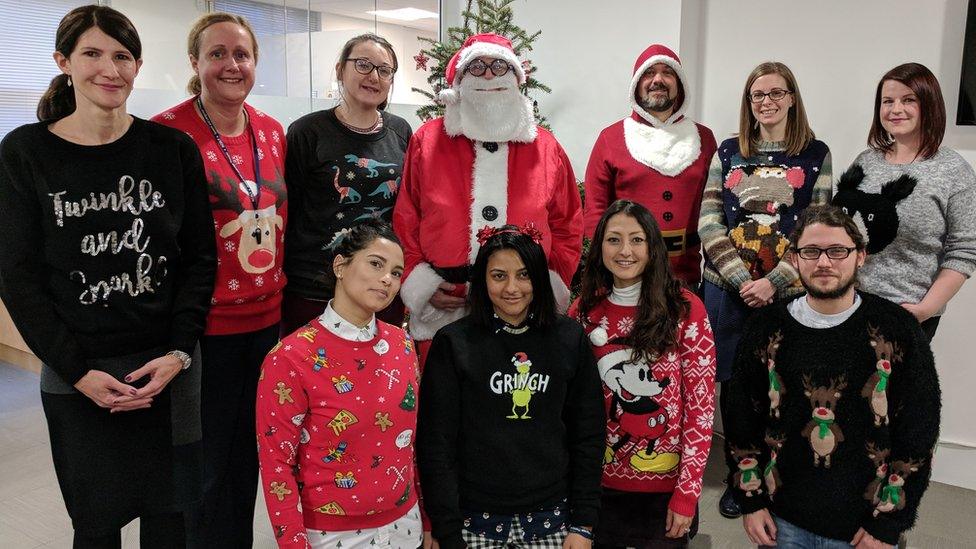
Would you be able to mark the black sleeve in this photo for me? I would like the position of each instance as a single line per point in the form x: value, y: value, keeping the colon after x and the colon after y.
x: 296, y: 151
x: 23, y: 272
x: 438, y: 422
x: 915, y: 406
x: 586, y: 425
x: 746, y: 403
x: 198, y: 254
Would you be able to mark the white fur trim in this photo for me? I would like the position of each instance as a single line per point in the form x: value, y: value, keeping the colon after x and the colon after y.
x: 613, y: 358
x: 669, y: 150
x: 489, y: 187
x: 682, y: 81
x: 559, y: 291
x: 416, y: 292
x: 448, y: 96
x: 479, y: 49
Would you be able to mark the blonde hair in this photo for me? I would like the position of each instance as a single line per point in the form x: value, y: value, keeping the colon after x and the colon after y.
x: 798, y: 132
x: 196, y: 31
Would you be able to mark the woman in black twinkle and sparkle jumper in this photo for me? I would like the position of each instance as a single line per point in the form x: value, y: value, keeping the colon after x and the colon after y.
x: 107, y: 268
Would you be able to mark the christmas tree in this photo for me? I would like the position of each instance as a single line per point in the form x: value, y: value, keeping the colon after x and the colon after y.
x: 409, y: 402
x: 480, y: 16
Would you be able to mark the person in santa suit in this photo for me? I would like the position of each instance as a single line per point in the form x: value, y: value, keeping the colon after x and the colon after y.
x: 656, y: 157
x: 485, y: 162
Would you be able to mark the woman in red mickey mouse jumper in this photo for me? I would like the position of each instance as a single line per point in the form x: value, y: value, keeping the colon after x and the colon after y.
x: 337, y: 407
x: 655, y: 354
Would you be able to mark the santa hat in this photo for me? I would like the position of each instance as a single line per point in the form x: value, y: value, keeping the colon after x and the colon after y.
x: 656, y: 53
x: 478, y: 45
x: 613, y: 358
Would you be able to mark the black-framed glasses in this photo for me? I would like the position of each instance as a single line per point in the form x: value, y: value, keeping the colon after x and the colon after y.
x: 365, y: 66
x: 499, y: 67
x: 775, y: 94
x: 811, y: 253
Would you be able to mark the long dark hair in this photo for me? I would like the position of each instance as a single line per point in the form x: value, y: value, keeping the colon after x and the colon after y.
x: 662, y: 305
x: 931, y: 105
x: 542, y: 309
x: 367, y: 37
x: 353, y: 240
x: 59, y: 99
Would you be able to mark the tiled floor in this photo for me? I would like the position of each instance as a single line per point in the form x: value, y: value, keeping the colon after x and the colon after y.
x: 32, y: 513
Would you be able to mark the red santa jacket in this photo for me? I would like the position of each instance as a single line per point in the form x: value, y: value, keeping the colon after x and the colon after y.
x: 452, y: 187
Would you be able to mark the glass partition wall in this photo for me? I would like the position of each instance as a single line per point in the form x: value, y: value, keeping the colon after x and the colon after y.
x: 299, y: 43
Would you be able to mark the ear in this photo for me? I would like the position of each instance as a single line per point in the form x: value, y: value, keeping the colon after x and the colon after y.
x: 138, y: 66
x: 861, y: 255
x: 795, y: 177
x: 193, y: 64
x: 338, y: 265
x: 850, y: 179
x: 795, y: 261
x: 734, y: 178
x: 899, y: 189
x: 63, y: 62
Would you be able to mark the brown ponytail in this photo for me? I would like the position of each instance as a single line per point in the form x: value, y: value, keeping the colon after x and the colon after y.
x: 59, y: 99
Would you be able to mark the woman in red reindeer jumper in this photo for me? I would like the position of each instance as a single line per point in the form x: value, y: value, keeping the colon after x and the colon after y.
x: 243, y: 152
x: 655, y: 353
x: 486, y: 162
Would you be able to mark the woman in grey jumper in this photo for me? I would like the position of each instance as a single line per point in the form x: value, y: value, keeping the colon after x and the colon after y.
x: 913, y: 198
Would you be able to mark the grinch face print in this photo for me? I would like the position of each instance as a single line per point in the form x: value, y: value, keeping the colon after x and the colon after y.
x: 521, y: 385
x: 824, y: 435
x: 128, y: 198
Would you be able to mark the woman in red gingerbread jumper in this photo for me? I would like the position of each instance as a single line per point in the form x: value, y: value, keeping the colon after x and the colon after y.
x: 656, y: 356
x: 337, y: 405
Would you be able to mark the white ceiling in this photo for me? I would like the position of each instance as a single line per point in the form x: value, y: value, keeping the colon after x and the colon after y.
x: 358, y: 9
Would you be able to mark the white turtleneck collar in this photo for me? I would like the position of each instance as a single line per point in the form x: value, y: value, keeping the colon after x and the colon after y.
x: 627, y: 297
x: 345, y: 329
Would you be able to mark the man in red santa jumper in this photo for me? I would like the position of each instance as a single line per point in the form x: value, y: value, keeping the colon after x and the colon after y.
x: 656, y: 157
x: 485, y: 163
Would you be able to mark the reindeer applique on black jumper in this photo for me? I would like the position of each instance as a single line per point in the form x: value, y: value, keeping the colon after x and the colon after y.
x: 878, y: 457
x: 892, y: 496
x: 771, y: 473
x: 824, y: 435
x: 876, y: 388
x: 747, y: 478
x: 875, y: 214
x: 776, y: 388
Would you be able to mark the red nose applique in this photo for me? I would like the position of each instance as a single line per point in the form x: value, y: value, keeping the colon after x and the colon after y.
x: 260, y: 258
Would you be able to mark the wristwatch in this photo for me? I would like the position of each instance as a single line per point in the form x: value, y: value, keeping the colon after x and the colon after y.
x: 183, y: 357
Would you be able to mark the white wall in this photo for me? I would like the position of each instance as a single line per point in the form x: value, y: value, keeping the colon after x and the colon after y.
x: 838, y: 50
x: 586, y: 55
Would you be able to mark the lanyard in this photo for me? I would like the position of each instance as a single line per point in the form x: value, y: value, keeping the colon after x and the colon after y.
x: 256, y: 196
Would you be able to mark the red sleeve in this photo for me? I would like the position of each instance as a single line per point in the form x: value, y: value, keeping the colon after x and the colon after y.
x: 698, y: 391
x: 565, y: 220
x: 281, y: 408
x: 598, y: 184
x: 406, y: 213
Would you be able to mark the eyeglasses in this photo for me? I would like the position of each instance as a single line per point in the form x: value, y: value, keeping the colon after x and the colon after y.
x: 499, y: 67
x: 812, y: 253
x: 775, y: 94
x: 365, y: 66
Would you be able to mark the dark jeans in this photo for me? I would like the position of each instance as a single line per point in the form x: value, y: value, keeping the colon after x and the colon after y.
x: 155, y: 532
x: 231, y: 366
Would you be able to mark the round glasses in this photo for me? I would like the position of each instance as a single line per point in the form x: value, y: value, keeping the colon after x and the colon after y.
x: 365, y: 66
x: 499, y: 67
x: 774, y: 94
x: 811, y: 253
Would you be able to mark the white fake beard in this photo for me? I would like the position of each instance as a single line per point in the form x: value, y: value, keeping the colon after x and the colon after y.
x: 498, y: 116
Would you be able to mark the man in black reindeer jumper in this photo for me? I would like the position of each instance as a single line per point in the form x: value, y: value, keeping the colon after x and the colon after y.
x: 834, y: 406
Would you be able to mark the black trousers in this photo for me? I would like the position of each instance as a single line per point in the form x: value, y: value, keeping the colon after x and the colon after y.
x: 155, y: 532
x: 231, y: 366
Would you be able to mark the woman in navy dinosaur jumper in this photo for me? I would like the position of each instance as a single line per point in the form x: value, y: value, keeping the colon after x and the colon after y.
x: 343, y: 166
